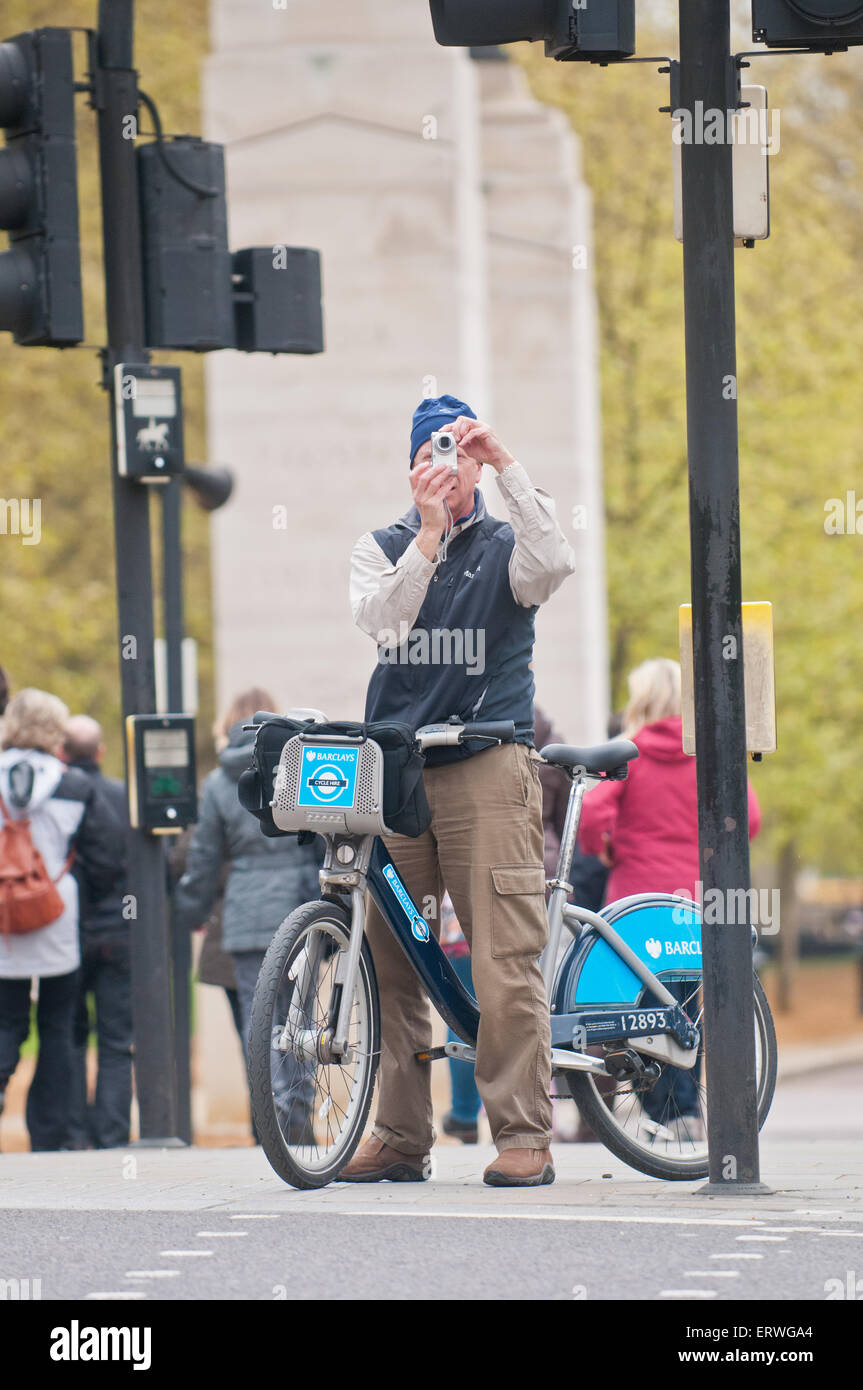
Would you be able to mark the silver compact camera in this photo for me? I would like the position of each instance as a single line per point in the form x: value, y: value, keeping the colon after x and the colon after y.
x: 444, y: 450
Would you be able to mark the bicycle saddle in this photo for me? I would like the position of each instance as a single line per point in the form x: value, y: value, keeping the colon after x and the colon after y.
x: 610, y: 758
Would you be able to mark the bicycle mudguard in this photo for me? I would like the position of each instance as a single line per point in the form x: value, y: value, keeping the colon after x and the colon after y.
x: 663, y: 931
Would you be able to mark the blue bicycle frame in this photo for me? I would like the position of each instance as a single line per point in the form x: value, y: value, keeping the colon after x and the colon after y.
x: 458, y: 1008
x: 455, y: 1005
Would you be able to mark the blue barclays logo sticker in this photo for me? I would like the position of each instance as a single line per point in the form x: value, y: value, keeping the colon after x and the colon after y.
x: 328, y: 777
x: 419, y: 927
x: 655, y: 948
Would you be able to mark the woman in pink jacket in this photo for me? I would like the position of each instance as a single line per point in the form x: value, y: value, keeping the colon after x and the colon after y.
x: 646, y: 830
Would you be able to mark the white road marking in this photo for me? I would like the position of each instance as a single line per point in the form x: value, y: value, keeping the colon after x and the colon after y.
x: 151, y: 1273
x: 687, y: 1293
x: 761, y: 1238
x: 739, y: 1255
x: 711, y: 1274
x: 500, y: 1215
x: 788, y: 1230
x: 257, y: 1216
x: 119, y: 1294
x: 585, y: 1217
x: 218, y: 1235
x: 183, y: 1254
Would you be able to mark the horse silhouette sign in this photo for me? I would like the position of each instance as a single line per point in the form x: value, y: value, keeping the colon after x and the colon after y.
x: 149, y: 420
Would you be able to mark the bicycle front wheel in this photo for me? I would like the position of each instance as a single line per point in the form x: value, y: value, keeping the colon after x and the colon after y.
x: 661, y: 1128
x: 309, y: 1107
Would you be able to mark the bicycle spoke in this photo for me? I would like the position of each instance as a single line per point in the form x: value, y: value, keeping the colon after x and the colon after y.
x: 315, y: 1101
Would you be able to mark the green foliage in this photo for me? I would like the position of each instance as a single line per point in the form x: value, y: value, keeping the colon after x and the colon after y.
x: 59, y: 629
x: 800, y: 338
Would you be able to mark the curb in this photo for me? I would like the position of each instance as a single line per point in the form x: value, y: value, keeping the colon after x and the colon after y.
x: 800, y: 1061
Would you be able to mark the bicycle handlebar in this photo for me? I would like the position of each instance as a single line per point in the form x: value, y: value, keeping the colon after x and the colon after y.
x: 501, y: 729
x: 449, y: 735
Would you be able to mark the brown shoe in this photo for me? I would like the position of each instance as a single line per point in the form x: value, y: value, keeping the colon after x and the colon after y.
x: 520, y: 1168
x: 375, y: 1161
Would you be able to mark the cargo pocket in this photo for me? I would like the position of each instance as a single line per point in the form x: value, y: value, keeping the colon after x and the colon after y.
x: 518, y: 920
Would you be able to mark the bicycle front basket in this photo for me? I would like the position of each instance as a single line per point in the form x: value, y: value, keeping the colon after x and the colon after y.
x: 330, y: 784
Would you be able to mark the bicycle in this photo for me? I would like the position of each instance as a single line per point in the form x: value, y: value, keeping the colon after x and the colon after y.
x: 627, y: 982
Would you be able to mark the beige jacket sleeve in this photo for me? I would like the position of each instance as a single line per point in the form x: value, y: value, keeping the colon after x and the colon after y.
x: 542, y: 557
x: 386, y: 598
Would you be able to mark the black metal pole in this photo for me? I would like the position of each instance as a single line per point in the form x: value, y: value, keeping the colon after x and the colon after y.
x: 116, y: 100
x: 708, y: 83
x: 181, y: 944
x: 172, y: 587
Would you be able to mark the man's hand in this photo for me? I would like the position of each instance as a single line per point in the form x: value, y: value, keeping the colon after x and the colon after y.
x: 430, y: 486
x: 480, y: 443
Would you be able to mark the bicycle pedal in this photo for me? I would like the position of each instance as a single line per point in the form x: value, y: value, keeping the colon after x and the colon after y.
x: 627, y: 1065
x: 433, y: 1054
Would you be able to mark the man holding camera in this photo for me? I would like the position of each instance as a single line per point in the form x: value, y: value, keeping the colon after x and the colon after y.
x: 449, y: 593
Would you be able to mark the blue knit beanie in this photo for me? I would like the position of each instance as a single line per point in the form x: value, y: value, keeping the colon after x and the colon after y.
x: 435, y: 414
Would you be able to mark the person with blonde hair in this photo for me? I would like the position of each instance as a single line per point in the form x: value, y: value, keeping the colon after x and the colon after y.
x: 654, y: 693
x: 646, y: 829
x: 264, y: 879
x: 66, y: 818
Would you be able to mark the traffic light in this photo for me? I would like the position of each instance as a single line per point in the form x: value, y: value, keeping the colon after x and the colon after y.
x: 40, y: 275
x: 184, y: 229
x: 277, y: 299
x: 197, y: 294
x: 597, y: 31
x: 816, y: 24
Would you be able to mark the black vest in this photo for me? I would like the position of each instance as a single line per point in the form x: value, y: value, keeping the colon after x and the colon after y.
x: 469, y: 651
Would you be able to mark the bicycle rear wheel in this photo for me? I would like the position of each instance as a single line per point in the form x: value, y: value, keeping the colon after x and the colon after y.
x: 309, y: 1108
x: 661, y: 1129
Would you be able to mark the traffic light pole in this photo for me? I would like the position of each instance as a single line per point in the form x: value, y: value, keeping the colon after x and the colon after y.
x: 181, y: 945
x: 708, y: 76
x: 116, y: 100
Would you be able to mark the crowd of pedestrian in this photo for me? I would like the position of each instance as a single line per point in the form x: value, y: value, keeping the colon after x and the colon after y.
x: 65, y: 960
x: 63, y: 823
x: 62, y: 856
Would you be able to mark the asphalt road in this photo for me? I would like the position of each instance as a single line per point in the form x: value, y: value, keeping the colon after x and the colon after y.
x: 218, y: 1224
x: 338, y: 1255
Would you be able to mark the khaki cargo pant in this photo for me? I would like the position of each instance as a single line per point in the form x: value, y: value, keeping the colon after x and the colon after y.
x: 485, y: 846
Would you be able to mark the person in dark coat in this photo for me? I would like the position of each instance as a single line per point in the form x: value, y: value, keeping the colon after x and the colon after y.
x: 268, y: 878
x: 106, y: 972
x: 587, y: 873
x: 215, y: 966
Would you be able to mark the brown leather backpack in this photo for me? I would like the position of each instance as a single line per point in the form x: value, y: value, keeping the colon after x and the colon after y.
x: 29, y: 897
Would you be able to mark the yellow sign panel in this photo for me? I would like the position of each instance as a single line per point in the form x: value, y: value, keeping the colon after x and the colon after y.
x: 758, y: 677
